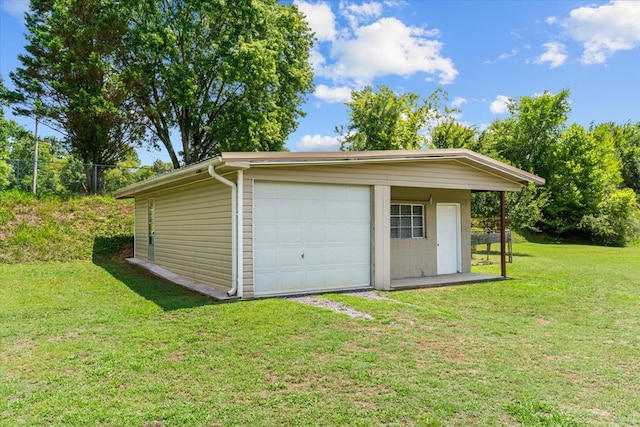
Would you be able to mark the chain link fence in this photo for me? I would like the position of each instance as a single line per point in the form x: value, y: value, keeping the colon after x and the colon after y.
x: 68, y: 176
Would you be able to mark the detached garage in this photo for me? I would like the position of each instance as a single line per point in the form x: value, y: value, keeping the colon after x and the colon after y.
x: 266, y: 224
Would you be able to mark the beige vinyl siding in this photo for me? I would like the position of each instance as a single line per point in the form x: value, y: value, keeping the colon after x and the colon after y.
x: 418, y: 257
x: 450, y: 174
x: 193, y: 232
x: 140, y: 232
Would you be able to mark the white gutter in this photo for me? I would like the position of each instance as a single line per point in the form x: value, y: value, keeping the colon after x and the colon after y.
x: 236, y: 227
x: 239, y: 234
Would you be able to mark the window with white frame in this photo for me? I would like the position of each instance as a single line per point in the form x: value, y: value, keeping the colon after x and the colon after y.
x: 407, y: 221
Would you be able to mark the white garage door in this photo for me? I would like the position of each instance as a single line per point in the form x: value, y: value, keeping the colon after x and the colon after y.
x: 310, y: 237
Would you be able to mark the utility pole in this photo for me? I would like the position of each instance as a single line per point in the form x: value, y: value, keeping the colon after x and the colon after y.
x: 34, y: 179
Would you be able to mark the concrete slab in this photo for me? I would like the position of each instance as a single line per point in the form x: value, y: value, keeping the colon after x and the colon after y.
x: 190, y: 284
x: 443, y: 280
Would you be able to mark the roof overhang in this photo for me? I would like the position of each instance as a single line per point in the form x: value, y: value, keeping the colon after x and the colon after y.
x: 230, y: 162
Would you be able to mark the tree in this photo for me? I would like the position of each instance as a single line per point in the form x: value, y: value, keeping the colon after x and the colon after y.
x: 451, y: 134
x: 228, y: 76
x: 387, y: 121
x: 626, y: 140
x: 51, y: 151
x: 617, y: 221
x: 5, y: 168
x: 527, y: 137
x: 582, y: 172
x: 69, y: 80
x: 527, y: 140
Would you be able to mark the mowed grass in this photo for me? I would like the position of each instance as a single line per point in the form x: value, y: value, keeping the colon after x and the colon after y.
x: 559, y: 345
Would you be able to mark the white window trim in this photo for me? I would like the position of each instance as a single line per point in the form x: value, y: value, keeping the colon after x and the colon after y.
x: 423, y: 225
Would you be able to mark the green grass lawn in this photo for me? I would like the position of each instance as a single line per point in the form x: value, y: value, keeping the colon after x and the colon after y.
x: 89, y: 344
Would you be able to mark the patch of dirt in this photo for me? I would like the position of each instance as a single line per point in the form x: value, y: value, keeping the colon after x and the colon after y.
x: 443, y: 349
x: 601, y: 412
x: 370, y: 295
x: 338, y: 307
x: 175, y: 358
x: 125, y: 251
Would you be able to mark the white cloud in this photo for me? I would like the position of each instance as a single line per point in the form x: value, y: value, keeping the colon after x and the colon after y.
x: 555, y: 55
x: 503, y: 56
x: 16, y: 8
x: 500, y: 105
x: 319, y: 143
x: 513, y: 52
x: 320, y: 18
x: 358, y: 13
x: 389, y: 47
x: 551, y: 20
x: 395, y: 3
x: 604, y: 30
x: 458, y: 102
x: 333, y: 94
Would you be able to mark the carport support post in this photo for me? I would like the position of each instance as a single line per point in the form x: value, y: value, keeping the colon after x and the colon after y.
x: 503, y: 245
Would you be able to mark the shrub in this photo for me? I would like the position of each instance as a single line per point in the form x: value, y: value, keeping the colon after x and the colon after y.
x: 617, y: 222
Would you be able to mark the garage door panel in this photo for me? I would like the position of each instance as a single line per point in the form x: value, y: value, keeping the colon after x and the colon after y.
x: 265, y: 258
x: 360, y: 276
x: 288, y: 281
x: 290, y: 234
x: 265, y: 234
x: 358, y: 233
x: 357, y: 209
x: 329, y: 224
x: 313, y: 210
x: 315, y: 233
x: 288, y: 211
x: 288, y: 257
x: 314, y: 257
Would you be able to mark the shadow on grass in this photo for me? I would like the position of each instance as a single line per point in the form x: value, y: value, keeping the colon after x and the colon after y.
x: 109, y: 253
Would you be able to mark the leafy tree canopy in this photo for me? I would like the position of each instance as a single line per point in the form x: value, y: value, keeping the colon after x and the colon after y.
x: 224, y: 76
x: 451, y: 134
x: 68, y: 77
x: 384, y: 120
x: 527, y: 137
x: 626, y: 140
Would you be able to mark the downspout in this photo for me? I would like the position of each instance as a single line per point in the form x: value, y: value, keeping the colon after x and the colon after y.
x: 234, y: 225
x: 239, y: 235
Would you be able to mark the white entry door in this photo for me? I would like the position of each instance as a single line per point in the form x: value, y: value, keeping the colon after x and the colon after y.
x: 310, y: 237
x: 448, y: 238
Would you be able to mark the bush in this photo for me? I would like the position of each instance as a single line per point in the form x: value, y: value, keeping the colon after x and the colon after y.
x: 617, y: 222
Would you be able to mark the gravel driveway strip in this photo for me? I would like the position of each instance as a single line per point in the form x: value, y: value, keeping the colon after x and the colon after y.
x: 338, y: 307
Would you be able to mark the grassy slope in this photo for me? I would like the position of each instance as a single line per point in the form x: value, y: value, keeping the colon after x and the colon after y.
x: 50, y: 229
x: 85, y: 344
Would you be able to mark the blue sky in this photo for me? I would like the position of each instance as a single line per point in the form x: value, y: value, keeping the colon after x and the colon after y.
x: 480, y: 52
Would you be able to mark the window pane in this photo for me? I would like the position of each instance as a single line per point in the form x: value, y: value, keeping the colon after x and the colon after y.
x: 407, y: 221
